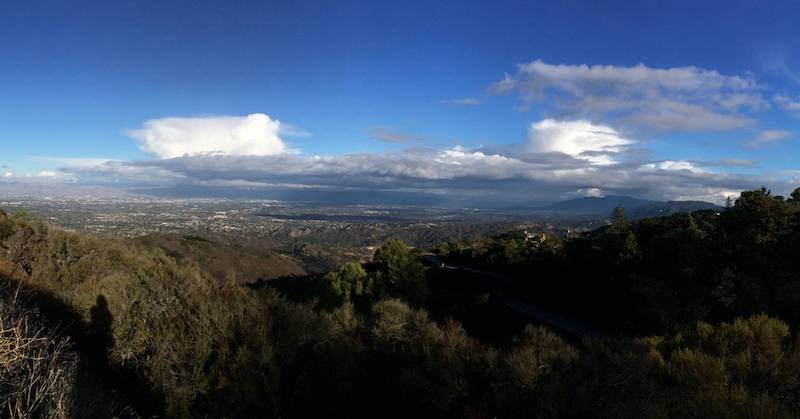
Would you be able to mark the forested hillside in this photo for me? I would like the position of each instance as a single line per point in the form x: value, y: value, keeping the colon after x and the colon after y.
x: 700, y: 312
x: 654, y: 275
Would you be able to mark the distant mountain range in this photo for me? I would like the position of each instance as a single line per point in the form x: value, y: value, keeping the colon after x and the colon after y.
x: 634, y: 207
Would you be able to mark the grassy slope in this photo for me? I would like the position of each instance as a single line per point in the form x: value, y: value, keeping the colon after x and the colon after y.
x: 219, y: 258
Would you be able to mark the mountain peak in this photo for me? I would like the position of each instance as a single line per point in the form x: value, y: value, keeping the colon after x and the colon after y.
x: 636, y: 207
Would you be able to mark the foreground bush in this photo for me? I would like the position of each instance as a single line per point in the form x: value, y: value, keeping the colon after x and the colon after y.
x: 37, y: 368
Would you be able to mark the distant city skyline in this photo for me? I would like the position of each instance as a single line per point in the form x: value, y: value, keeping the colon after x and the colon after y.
x: 502, y: 102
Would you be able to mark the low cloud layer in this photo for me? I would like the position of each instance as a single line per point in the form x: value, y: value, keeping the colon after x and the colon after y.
x: 255, y: 134
x: 540, y: 170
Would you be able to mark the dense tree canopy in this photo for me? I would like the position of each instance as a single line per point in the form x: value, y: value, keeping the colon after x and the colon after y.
x: 654, y: 275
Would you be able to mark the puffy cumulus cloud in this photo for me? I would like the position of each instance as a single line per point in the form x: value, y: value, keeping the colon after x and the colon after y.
x: 597, y: 144
x: 8, y: 174
x: 46, y: 173
x: 679, y: 98
x: 255, y: 134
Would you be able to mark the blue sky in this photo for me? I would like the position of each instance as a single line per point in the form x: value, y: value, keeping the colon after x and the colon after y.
x: 390, y: 80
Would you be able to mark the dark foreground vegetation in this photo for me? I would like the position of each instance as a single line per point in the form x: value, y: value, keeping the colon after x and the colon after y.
x: 701, y: 314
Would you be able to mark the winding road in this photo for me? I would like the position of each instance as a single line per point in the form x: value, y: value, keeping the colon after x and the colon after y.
x: 503, y: 287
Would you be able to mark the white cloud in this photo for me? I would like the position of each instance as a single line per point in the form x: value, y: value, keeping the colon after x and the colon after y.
x: 467, y: 101
x: 255, y: 134
x: 8, y: 174
x: 46, y: 173
x: 672, y: 165
x: 288, y: 130
x: 679, y: 98
x: 791, y: 105
x: 391, y: 136
x: 773, y: 135
x: 591, y: 192
x: 724, y: 195
x: 74, y: 161
x: 726, y: 162
x: 674, y: 115
x: 768, y: 138
x: 580, y: 139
